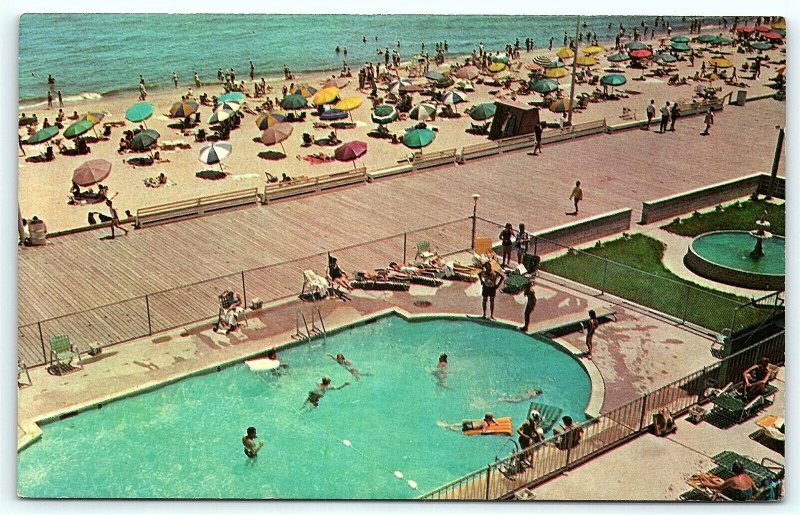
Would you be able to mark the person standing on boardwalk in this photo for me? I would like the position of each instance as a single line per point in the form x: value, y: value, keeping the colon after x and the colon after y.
x: 664, y: 118
x: 114, y: 219
x: 530, y: 304
x: 506, y: 236
x: 490, y: 282
x: 651, y: 113
x: 576, y: 196
x: 673, y: 115
x: 709, y: 121
x: 591, y: 327
x: 537, y: 131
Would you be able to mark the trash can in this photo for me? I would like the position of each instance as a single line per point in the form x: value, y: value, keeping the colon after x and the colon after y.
x: 38, y: 232
x: 741, y: 97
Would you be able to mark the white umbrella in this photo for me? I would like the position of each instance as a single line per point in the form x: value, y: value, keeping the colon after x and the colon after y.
x: 395, y: 85
x: 228, y: 106
x: 215, y: 153
x: 454, y: 97
x: 220, y: 115
x: 422, y: 112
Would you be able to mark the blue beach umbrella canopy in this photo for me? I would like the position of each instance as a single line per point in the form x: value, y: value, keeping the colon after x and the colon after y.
x: 233, y: 96
x: 418, y: 138
x: 139, y: 112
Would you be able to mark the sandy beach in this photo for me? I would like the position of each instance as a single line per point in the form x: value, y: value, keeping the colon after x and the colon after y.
x: 44, y: 187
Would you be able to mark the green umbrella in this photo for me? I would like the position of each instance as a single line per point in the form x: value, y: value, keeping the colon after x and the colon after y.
x: 555, y: 64
x: 502, y: 58
x: 482, y: 111
x: 422, y: 112
x: 618, y: 57
x: 144, y: 140
x: 233, y: 96
x: 444, y: 82
x: 705, y: 38
x: 720, y: 40
x: 384, y: 113
x: 613, y: 80
x: 139, y: 112
x: 294, y: 102
x: 78, y: 128
x: 664, y: 58
x: 43, y: 135
x: 680, y: 47
x: 679, y: 39
x: 418, y: 138
x: 636, y: 45
x: 544, y: 86
x: 761, y: 46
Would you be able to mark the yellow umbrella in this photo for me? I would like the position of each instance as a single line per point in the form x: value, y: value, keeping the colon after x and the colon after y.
x: 497, y: 67
x: 780, y: 25
x: 560, y: 106
x: 720, y: 62
x: 585, y: 60
x: 594, y: 49
x: 326, y: 95
x: 556, y: 73
x: 565, y: 53
x: 348, y: 104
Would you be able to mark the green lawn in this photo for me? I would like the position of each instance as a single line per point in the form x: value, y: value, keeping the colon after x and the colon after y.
x: 735, y: 218
x: 621, y: 273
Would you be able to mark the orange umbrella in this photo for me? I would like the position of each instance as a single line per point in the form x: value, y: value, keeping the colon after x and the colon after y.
x: 277, y: 134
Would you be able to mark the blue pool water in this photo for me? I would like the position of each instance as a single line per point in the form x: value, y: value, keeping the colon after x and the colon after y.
x: 184, y: 440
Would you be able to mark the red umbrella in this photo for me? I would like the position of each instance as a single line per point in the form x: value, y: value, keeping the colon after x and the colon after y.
x: 91, y: 172
x: 772, y: 35
x: 641, y: 54
x: 350, y: 151
x: 763, y: 28
x: 746, y: 28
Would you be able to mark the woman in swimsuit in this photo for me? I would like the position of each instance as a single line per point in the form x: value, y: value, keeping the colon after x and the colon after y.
x: 337, y: 275
x: 506, y: 235
x: 489, y: 284
x: 591, y: 327
x: 340, y: 359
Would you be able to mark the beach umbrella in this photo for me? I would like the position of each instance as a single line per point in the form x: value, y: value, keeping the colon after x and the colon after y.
x: 679, y: 39
x: 664, y: 58
x: 779, y: 24
x: 555, y: 64
x: 220, y: 115
x: 556, y: 73
x: 565, y: 53
x: 772, y: 36
x: 350, y: 151
x: 720, y: 62
x: 594, y: 49
x: 483, y: 111
x: 183, y: 108
x: 541, y: 60
x: 333, y: 114
x: 465, y: 85
x: 680, y: 47
x: 268, y: 119
x: 636, y: 45
x: 338, y: 82
x: 397, y: 85
x: 468, y: 72
x: 704, y: 38
x: 720, y: 40
x: 277, y: 134
x: 144, y: 140
x: 384, y: 113
x: 502, y: 58
x: 763, y: 28
x: 215, y: 153
x: 544, y: 86
x: 228, y: 105
x: 139, y: 112
x: 585, y: 60
x: 434, y: 76
x: 454, y: 97
x: 42, y: 135
x: 497, y: 67
x: 233, y: 96
x: 78, y: 128
x: 761, y: 46
x: 325, y: 95
x: 95, y: 118
x: 613, y: 80
x: 445, y: 82
x: 560, y: 106
x: 619, y: 57
x: 418, y: 138
x: 422, y: 112
x: 746, y: 28
x: 644, y: 53
x: 533, y: 66
x: 91, y: 172
x: 349, y: 103
x: 294, y: 102
x: 303, y: 90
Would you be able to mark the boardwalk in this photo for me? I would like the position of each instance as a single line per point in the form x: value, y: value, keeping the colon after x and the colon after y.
x: 77, y: 272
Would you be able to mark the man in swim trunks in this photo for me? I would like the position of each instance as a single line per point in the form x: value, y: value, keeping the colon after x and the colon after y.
x: 248, y: 440
x: 489, y: 285
x: 318, y: 393
x: 591, y: 327
x: 756, y: 378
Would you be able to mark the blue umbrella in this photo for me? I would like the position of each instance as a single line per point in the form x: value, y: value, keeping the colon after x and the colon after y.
x: 233, y: 96
x: 333, y: 114
x: 139, y: 112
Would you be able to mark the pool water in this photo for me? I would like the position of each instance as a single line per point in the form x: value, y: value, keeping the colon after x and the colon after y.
x: 732, y: 249
x: 184, y: 440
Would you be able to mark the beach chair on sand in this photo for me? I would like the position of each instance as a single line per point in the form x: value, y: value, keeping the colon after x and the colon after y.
x: 424, y: 251
x: 732, y: 405
x: 62, y: 352
x: 314, y: 285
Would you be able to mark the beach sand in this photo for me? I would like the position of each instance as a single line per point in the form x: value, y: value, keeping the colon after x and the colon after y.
x: 44, y: 187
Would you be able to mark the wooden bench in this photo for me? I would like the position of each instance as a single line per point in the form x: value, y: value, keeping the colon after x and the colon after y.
x: 517, y: 142
x: 693, y: 108
x: 392, y: 170
x: 428, y: 160
x: 297, y: 187
x: 489, y: 148
x: 194, y: 207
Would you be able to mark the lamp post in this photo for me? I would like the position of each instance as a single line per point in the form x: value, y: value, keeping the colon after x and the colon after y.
x: 475, y: 198
x: 574, y: 71
x: 775, y: 161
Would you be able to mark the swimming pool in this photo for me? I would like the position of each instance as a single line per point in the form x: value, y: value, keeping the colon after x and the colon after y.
x: 184, y: 440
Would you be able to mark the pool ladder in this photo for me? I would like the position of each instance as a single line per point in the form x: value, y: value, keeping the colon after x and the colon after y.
x: 311, y: 331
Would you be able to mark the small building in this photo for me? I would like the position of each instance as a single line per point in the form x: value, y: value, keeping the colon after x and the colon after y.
x: 513, y: 119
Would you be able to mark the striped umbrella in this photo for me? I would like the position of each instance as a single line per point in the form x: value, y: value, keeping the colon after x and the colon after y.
x: 418, y: 138
x: 556, y: 73
x: 144, y: 140
x: 325, y: 96
x: 560, y: 106
x: 585, y: 60
x: 468, y: 72
x: 565, y: 53
x: 555, y: 64
x: 422, y: 112
x: 350, y: 151
x: 384, y: 113
x: 78, y: 128
x: 594, y: 49
x: 544, y: 86
x: 277, y: 134
x: 619, y: 57
x: 396, y: 85
x: 541, y: 60
x: 220, y: 115
x: 139, y: 112
x: 483, y: 111
x: 42, y: 135
x: 294, y: 102
x: 304, y: 90
x: 454, y: 97
x: 91, y: 172
x: 95, y: 118
x: 497, y: 67
x: 233, y: 96
x: 183, y: 108
x: 268, y: 119
x: 228, y: 105
x: 215, y: 153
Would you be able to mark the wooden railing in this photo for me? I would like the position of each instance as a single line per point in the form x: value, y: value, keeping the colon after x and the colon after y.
x: 423, y: 160
x: 307, y: 185
x: 194, y: 207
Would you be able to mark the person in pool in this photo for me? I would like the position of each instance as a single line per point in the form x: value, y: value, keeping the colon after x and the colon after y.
x: 441, y: 370
x: 340, y: 359
x: 273, y: 355
x: 248, y: 440
x: 321, y: 389
x: 484, y: 424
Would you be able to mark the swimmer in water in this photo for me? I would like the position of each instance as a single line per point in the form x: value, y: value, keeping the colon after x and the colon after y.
x: 441, y: 370
x: 248, y: 440
x: 340, y: 359
x: 273, y: 355
x: 524, y: 396
x: 319, y: 392
x: 468, y: 425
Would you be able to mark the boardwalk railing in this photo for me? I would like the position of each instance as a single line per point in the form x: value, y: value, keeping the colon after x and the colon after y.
x: 611, y: 429
x: 195, y: 207
x: 149, y: 314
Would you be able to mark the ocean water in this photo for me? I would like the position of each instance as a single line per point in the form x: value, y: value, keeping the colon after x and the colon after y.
x: 98, y: 54
x: 184, y: 440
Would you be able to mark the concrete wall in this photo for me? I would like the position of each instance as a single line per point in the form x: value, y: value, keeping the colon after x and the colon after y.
x: 581, y: 232
x: 780, y: 186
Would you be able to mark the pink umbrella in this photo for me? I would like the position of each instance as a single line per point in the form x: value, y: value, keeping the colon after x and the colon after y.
x: 763, y: 28
x: 772, y: 35
x: 277, y: 134
x: 641, y: 54
x: 350, y: 151
x: 91, y: 172
x: 746, y: 28
x: 468, y: 72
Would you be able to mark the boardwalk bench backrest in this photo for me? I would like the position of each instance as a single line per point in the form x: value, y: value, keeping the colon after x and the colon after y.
x: 427, y: 160
x: 308, y: 185
x: 194, y: 207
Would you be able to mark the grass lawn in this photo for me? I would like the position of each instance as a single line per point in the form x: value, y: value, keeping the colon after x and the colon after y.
x: 620, y: 273
x: 735, y: 218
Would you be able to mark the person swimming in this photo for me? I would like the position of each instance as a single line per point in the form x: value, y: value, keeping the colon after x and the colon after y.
x: 441, y: 370
x: 320, y: 390
x: 340, y: 359
x: 524, y: 396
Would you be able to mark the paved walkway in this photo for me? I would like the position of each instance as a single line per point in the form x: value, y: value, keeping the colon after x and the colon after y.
x: 77, y: 272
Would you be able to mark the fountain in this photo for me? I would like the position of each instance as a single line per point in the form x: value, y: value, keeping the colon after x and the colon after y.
x: 729, y: 257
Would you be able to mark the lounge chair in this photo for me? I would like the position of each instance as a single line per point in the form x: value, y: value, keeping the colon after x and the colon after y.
x: 733, y: 406
x: 22, y: 368
x: 766, y: 469
x: 424, y: 251
x: 550, y: 415
x: 314, y: 285
x: 62, y: 352
x: 225, y: 303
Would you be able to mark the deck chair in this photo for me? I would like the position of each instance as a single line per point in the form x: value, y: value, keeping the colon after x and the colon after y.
x: 62, y: 352
x: 767, y: 469
x: 483, y: 246
x: 550, y: 415
x: 22, y: 368
x: 225, y: 304
x: 733, y: 406
x: 424, y: 251
x: 314, y: 285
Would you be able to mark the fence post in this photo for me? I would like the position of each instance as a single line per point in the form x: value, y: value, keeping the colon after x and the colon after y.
x: 686, y: 304
x: 41, y: 339
x: 149, y: 322
x: 733, y: 320
x: 644, y: 410
x: 405, y: 243
x: 605, y: 275
x: 244, y: 291
x: 488, y: 478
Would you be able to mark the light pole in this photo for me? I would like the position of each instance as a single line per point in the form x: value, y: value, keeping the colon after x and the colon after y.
x: 775, y: 161
x: 574, y: 71
x: 475, y: 198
